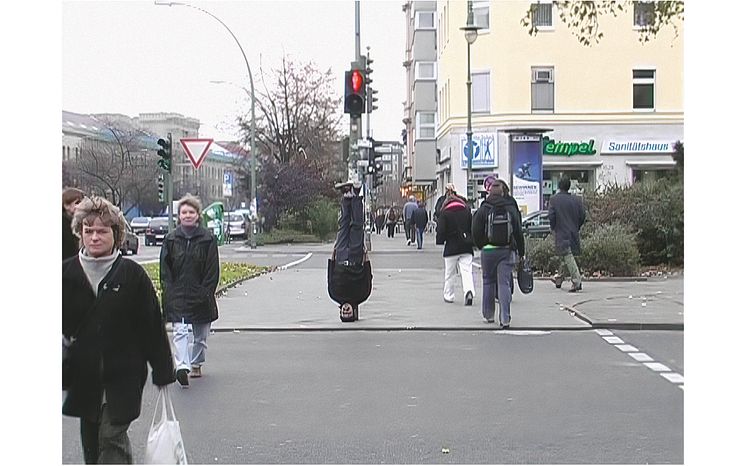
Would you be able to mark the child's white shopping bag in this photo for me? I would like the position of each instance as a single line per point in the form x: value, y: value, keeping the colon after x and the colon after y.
x: 165, y: 445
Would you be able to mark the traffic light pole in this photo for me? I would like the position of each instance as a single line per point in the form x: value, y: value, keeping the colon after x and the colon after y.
x: 170, y: 188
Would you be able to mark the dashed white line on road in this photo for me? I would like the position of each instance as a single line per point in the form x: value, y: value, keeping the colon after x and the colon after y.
x: 657, y: 367
x: 626, y: 348
x: 673, y: 377
x: 604, y: 332
x: 614, y: 340
x: 641, y: 357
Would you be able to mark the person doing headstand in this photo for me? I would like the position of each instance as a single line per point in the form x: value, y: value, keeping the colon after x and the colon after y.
x: 349, y: 276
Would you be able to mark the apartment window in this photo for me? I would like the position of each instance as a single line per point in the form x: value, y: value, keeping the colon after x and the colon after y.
x: 424, y: 70
x: 425, y: 125
x: 480, y: 92
x: 424, y: 20
x: 542, y: 89
x: 541, y: 14
x: 643, y: 89
x: 644, y: 13
x: 481, y: 9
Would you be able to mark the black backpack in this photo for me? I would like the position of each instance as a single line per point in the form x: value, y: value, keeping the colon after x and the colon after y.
x: 499, y: 227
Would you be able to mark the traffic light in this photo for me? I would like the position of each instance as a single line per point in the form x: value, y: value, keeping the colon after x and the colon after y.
x: 165, y: 153
x: 354, y: 92
x: 370, y: 104
x: 161, y: 196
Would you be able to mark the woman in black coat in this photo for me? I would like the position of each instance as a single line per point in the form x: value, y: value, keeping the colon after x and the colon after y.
x: 190, y: 273
x: 454, y: 230
x: 112, y: 328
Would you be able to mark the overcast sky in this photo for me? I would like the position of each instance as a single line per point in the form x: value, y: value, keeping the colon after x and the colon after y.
x: 135, y: 57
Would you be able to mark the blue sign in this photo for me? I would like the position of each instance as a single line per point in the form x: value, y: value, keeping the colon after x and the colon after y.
x: 484, y: 151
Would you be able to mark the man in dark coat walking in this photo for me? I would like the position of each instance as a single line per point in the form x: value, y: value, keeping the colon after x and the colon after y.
x: 419, y: 220
x: 454, y: 230
x: 566, y: 216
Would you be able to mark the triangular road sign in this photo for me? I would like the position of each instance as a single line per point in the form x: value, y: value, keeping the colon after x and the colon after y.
x: 196, y: 149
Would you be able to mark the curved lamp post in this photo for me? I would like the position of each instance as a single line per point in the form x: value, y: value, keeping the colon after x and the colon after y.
x: 471, y: 31
x: 253, y: 115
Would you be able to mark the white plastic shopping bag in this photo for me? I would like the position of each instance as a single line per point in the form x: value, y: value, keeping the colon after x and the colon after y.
x: 165, y: 445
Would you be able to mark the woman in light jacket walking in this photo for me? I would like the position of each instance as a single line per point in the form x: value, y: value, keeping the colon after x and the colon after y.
x: 190, y: 272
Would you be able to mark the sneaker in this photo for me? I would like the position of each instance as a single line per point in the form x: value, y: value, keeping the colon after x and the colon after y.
x: 489, y: 321
x: 196, y: 372
x: 182, y: 378
x: 576, y: 288
x: 448, y: 301
x: 469, y: 298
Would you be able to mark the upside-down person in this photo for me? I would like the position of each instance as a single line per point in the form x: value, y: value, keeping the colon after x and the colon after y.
x: 349, y: 276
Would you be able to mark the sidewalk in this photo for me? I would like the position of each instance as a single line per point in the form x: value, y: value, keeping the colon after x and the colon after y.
x: 411, y: 298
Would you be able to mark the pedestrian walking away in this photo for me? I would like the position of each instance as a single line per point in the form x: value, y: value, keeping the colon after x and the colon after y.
x: 496, y: 229
x: 380, y: 221
x: 454, y: 231
x: 450, y: 191
x: 419, y: 220
x: 349, y: 276
x: 190, y: 272
x: 408, y: 210
x: 391, y: 218
x: 71, y: 197
x: 112, y: 329
x: 566, y: 216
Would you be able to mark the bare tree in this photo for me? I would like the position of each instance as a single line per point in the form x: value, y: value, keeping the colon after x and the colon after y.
x: 582, y: 17
x: 116, y: 165
x: 298, y: 129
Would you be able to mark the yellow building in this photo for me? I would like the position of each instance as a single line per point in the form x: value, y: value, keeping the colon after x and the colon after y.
x: 605, y: 113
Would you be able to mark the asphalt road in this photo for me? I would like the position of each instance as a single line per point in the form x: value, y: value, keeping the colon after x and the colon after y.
x: 424, y: 397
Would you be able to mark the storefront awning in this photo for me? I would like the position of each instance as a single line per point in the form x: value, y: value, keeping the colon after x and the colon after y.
x: 651, y: 163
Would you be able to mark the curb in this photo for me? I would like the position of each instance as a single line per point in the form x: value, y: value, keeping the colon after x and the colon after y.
x: 352, y: 328
x: 624, y: 325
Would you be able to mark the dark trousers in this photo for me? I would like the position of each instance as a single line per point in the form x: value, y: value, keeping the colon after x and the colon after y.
x: 104, y: 442
x: 390, y: 227
x: 420, y: 232
x: 350, y: 235
x: 408, y: 230
x: 497, y: 275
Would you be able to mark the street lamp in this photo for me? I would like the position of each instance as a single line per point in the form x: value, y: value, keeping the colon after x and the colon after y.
x: 471, y: 31
x: 253, y: 115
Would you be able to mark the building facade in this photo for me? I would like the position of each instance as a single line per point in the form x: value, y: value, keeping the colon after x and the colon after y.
x: 420, y: 108
x: 601, y: 114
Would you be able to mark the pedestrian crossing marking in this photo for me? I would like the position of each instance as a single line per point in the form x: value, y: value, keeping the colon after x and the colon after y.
x: 657, y: 367
x: 673, y: 377
x: 626, y: 348
x: 641, y: 357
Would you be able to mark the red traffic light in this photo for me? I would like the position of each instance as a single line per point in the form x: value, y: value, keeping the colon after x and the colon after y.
x: 357, y: 81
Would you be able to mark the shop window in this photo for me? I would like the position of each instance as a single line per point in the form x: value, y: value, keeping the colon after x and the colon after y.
x: 542, y: 89
x: 639, y: 175
x: 581, y: 181
x: 643, y: 89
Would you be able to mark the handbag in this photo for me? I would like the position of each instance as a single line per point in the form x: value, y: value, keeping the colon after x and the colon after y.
x: 525, y: 276
x: 165, y: 445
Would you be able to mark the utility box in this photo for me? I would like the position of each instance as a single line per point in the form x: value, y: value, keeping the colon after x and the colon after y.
x: 212, y: 219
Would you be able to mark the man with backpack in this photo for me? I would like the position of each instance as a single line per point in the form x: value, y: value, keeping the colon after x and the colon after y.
x: 566, y: 216
x: 496, y: 229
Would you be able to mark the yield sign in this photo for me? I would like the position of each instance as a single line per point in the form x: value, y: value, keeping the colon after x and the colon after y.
x: 196, y: 149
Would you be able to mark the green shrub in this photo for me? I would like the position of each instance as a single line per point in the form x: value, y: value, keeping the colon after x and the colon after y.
x: 278, y: 236
x: 609, y: 250
x: 541, y: 252
x: 229, y: 273
x: 322, y: 214
x: 652, y: 210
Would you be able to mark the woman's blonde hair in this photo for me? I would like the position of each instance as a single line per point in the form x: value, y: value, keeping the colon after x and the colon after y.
x: 91, y: 208
x: 191, y: 201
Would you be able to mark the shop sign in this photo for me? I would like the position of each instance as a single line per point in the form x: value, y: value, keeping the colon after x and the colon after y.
x: 613, y: 146
x: 550, y: 147
x: 484, y: 151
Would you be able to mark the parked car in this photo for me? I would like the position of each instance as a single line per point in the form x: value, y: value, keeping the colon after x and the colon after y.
x: 131, y: 242
x: 140, y: 224
x: 156, y: 231
x: 536, y: 224
x: 238, y: 225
